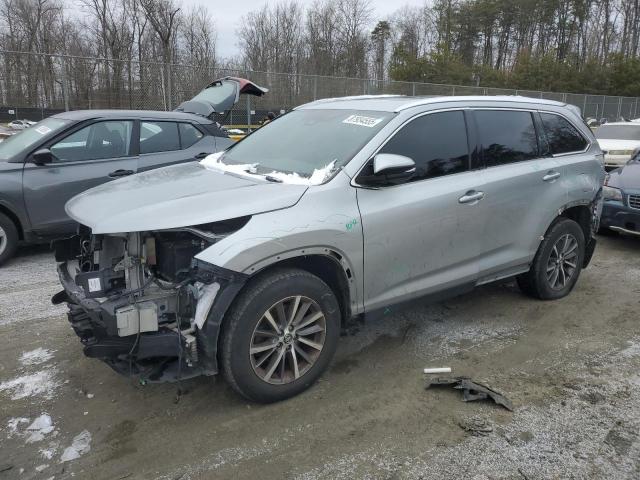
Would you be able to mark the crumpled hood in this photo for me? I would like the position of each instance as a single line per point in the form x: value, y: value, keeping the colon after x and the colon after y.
x: 177, y: 196
x: 626, y: 178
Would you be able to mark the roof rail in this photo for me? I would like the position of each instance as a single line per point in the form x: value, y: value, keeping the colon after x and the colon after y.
x: 463, y: 98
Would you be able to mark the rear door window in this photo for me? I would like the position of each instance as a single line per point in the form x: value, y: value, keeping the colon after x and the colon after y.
x: 506, y: 136
x: 436, y: 142
x: 561, y: 135
x: 159, y: 137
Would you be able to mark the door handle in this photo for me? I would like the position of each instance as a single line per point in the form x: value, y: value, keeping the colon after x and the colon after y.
x: 471, y: 197
x: 551, y: 176
x: 202, y: 155
x: 121, y: 173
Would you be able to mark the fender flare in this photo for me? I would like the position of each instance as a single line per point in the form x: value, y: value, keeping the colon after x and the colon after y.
x: 231, y: 284
x: 8, y: 209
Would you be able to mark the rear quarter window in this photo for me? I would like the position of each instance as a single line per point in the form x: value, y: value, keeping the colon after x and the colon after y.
x: 561, y: 135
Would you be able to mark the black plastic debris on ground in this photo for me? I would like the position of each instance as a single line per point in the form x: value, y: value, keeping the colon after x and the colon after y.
x: 477, y: 427
x: 471, y: 390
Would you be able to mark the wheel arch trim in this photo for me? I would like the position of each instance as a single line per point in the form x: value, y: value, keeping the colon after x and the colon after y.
x: 14, y: 217
x: 333, y: 254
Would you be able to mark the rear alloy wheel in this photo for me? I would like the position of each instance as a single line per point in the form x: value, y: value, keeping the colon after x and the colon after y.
x: 279, y: 335
x: 563, y: 262
x: 8, y: 238
x: 558, y: 262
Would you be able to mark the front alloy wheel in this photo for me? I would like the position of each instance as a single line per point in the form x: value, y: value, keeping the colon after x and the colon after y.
x: 8, y: 238
x: 279, y: 335
x: 288, y: 340
x: 3, y: 240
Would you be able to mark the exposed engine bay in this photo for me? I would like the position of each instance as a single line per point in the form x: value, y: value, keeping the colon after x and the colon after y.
x: 140, y: 301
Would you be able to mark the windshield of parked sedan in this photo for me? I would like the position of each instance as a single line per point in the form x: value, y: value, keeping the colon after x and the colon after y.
x: 29, y: 137
x: 306, y: 141
x: 618, y: 132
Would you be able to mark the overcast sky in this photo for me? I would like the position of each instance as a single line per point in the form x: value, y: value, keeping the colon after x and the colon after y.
x: 227, y: 14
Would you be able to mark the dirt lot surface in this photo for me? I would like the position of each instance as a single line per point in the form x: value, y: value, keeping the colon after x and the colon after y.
x: 571, y: 368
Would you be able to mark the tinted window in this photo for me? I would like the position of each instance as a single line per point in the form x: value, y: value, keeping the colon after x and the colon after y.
x: 159, y: 137
x: 561, y: 135
x: 506, y: 136
x: 96, y: 141
x: 189, y: 134
x: 436, y: 142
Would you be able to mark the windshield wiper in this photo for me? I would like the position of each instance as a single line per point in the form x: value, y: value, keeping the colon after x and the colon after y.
x: 272, y: 179
x: 269, y: 178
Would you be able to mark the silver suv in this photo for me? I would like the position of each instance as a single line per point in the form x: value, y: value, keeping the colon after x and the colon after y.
x: 250, y: 261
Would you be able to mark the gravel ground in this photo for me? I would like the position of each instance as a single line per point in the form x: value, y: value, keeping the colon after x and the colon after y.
x: 571, y: 368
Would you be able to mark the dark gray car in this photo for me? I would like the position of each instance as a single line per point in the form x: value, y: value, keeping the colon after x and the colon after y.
x: 44, y: 166
x: 41, y: 168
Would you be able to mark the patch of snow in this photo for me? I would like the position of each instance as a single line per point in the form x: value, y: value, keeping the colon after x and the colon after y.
x: 40, y: 468
x: 40, y: 427
x: 319, y: 175
x: 13, y: 423
x: 81, y: 444
x: 633, y: 350
x: 48, y: 453
x: 36, y: 357
x: 41, y: 383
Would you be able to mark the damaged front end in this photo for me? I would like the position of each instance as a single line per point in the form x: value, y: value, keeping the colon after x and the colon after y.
x: 142, y: 303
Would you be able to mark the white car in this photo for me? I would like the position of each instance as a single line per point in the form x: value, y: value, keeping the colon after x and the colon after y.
x: 618, y: 141
x: 20, y: 124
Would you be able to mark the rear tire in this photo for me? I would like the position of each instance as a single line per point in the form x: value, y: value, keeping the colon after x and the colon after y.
x: 558, y: 262
x: 279, y: 335
x: 8, y: 238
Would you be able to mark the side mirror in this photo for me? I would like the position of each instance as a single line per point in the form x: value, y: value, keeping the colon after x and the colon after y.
x: 390, y: 169
x: 42, y: 156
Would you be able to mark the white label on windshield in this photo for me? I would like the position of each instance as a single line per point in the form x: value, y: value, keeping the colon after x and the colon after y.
x: 362, y: 121
x: 43, y: 129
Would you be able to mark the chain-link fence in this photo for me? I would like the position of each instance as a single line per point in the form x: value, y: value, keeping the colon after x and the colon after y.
x: 34, y: 86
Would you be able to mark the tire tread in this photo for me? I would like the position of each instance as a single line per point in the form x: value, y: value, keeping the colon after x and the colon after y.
x: 531, y: 282
x: 232, y: 320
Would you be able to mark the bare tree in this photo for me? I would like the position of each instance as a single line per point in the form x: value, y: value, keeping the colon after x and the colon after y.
x: 163, y: 17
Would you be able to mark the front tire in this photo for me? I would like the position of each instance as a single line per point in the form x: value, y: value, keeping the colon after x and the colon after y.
x: 279, y: 335
x: 8, y: 238
x: 558, y: 262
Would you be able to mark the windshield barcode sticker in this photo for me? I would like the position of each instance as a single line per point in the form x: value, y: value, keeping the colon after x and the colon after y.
x: 94, y: 285
x: 362, y: 121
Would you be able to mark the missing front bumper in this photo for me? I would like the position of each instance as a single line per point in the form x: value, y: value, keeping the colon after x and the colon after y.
x: 163, y: 353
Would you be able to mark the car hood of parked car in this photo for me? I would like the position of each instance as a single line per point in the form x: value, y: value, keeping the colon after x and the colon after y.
x: 608, y: 144
x: 177, y: 196
x: 626, y: 178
